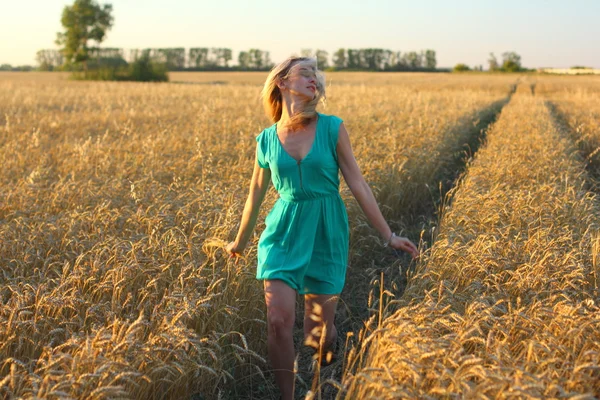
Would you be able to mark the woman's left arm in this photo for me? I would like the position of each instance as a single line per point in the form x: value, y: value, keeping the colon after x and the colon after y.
x: 363, y: 194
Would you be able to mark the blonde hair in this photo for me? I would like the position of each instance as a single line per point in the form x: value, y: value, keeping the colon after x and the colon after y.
x: 271, y: 95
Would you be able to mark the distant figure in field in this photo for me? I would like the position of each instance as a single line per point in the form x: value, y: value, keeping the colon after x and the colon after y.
x: 304, y: 247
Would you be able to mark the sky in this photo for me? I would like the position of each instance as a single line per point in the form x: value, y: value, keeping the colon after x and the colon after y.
x: 546, y: 33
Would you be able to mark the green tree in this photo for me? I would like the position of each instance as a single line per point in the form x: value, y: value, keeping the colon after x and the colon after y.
x: 461, y: 68
x: 256, y: 58
x: 395, y: 58
x: 430, y: 59
x: 173, y: 58
x: 353, y: 58
x: 493, y: 62
x: 48, y: 60
x: 370, y: 57
x: 198, y: 57
x: 225, y: 55
x: 386, y: 59
x: 413, y: 59
x: 111, y: 57
x: 83, y: 21
x: 244, y: 60
x: 219, y: 57
x: 339, y: 59
x: 144, y: 69
x: 511, y: 62
x: 375, y: 59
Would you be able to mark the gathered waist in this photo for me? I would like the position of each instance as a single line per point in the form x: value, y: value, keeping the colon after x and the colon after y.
x: 292, y: 199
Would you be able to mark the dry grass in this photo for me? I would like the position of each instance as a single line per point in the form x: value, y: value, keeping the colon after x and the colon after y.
x: 116, y: 200
x: 505, y: 304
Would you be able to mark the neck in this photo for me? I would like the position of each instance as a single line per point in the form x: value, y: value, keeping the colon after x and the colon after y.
x: 290, y: 107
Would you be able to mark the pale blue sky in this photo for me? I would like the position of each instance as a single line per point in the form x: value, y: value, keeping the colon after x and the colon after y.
x: 546, y: 33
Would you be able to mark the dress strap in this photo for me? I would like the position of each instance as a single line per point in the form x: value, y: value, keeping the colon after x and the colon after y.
x: 333, y: 133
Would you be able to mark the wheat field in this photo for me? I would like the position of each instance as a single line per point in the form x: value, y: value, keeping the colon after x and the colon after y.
x: 117, y: 199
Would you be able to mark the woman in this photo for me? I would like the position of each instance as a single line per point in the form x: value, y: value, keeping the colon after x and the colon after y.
x: 304, y: 247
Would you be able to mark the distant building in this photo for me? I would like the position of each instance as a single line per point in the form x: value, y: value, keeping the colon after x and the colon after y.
x: 570, y: 71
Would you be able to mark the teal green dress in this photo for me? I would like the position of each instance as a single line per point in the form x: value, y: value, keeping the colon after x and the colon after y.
x: 305, y: 242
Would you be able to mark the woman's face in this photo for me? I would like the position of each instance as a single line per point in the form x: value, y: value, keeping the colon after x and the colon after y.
x: 301, y: 81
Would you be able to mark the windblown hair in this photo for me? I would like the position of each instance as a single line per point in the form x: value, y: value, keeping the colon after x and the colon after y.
x: 271, y: 95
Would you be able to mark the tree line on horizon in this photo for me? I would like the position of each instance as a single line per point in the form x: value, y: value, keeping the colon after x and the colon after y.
x: 174, y: 59
x: 219, y: 59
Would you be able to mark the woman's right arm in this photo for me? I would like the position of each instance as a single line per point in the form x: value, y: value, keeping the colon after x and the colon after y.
x: 258, y: 189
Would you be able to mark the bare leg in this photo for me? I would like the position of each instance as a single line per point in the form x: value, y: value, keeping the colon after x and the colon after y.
x: 320, y: 309
x: 281, y: 313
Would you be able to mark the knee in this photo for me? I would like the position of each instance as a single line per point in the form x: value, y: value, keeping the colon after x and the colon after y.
x: 281, y: 323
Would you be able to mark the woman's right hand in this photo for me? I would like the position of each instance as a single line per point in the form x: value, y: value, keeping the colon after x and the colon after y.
x: 233, y: 249
x: 404, y: 244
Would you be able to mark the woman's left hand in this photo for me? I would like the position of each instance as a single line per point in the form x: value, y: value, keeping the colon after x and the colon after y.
x: 402, y: 243
x: 234, y: 250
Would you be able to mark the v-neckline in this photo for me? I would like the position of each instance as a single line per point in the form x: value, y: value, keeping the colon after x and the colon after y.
x: 312, y: 146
